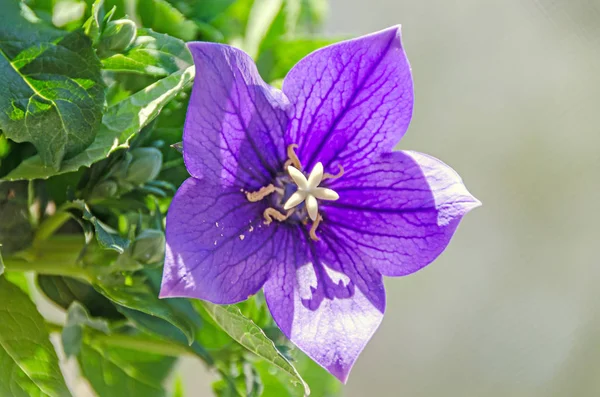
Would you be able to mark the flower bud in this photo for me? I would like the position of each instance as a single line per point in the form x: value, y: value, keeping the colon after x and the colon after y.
x: 105, y: 189
x: 145, y: 165
x: 118, y: 35
x: 149, y: 247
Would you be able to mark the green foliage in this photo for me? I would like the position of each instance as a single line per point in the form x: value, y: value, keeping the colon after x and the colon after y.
x: 77, y: 319
x: 64, y: 291
x: 161, y: 16
x: 119, y: 371
x: 92, y: 98
x: 16, y: 231
x: 29, y: 364
x: 252, y: 337
x: 151, y: 53
x: 51, y: 91
x: 119, y: 124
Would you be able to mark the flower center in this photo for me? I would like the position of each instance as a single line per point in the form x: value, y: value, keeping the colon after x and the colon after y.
x: 309, y: 191
x: 297, y: 194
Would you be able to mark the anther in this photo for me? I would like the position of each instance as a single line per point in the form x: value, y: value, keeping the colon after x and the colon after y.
x: 271, y: 213
x: 336, y: 176
x: 292, y: 157
x: 313, y: 228
x: 262, y: 193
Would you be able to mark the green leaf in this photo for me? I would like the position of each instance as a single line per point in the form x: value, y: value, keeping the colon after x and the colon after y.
x: 153, y: 54
x: 51, y: 90
x: 120, y: 123
x: 119, y: 372
x: 162, y: 328
x: 162, y: 17
x: 20, y: 280
x: 135, y: 294
x: 205, y: 10
x: 93, y: 26
x: 1, y: 264
x: 65, y: 290
x: 323, y: 384
x: 252, y: 337
x: 77, y: 319
x: 158, y: 327
x: 106, y: 237
x: 28, y: 362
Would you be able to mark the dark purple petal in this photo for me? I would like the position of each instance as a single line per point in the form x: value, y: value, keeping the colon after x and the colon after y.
x: 235, y: 122
x: 400, y: 211
x: 350, y: 98
x: 325, y: 300
x: 218, y: 248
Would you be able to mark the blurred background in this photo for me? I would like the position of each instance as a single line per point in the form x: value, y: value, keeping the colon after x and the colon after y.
x: 508, y: 94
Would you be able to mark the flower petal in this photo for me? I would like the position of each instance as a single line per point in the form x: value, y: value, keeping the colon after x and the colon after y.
x: 350, y: 98
x: 217, y: 246
x: 327, y: 313
x: 401, y: 210
x: 234, y: 127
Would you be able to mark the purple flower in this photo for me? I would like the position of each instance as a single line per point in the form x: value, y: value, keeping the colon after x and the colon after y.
x: 298, y: 192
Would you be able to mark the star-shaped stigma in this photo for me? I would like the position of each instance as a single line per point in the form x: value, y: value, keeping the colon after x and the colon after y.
x: 309, y: 190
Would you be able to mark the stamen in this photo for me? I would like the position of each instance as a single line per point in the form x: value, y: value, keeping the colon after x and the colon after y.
x: 336, y: 176
x: 293, y: 157
x: 262, y: 193
x: 313, y: 228
x: 272, y: 213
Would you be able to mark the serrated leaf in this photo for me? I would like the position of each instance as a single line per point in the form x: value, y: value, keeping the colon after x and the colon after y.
x: 246, y: 333
x: 51, y: 90
x: 120, y: 123
x: 139, y: 296
x: 153, y: 54
x: 120, y: 372
x: 28, y: 362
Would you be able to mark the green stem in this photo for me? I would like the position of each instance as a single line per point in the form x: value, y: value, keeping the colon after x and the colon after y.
x: 50, y: 225
x: 131, y: 342
x: 47, y: 267
x: 140, y: 343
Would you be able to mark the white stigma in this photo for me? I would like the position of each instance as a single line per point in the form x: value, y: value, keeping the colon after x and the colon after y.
x: 309, y: 190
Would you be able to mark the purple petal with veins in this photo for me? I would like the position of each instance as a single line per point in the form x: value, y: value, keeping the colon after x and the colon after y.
x: 232, y: 228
